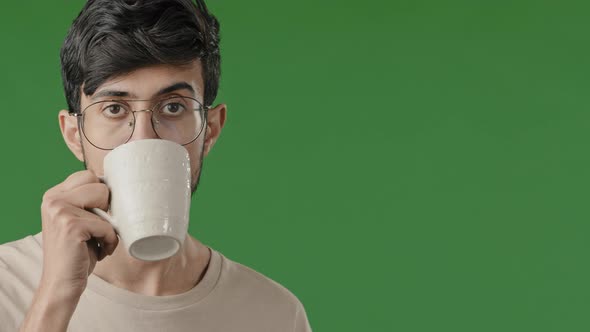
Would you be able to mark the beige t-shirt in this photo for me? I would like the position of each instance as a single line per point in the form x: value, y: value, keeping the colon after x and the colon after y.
x: 230, y: 297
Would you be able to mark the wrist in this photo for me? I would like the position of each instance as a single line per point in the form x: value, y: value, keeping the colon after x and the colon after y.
x: 51, y: 310
x: 56, y: 290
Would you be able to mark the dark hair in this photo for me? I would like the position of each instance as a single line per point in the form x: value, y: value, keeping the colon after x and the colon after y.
x: 114, y: 37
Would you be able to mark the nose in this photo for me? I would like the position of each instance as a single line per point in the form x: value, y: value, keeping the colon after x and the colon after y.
x: 143, y: 126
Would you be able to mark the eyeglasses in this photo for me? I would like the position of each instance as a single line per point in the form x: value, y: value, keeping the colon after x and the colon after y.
x: 107, y: 124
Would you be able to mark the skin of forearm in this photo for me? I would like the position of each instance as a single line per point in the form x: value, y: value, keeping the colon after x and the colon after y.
x: 50, y: 311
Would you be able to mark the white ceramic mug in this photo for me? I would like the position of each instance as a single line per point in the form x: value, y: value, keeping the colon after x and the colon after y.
x: 150, y: 185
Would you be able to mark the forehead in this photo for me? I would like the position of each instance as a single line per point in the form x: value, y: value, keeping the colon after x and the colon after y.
x: 147, y: 82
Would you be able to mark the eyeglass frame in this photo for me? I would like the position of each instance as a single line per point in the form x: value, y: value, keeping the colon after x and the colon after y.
x: 80, y: 116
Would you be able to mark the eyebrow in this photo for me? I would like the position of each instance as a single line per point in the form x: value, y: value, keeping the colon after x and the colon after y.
x: 118, y: 93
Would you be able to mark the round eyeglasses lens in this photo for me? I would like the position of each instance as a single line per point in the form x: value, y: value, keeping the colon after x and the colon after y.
x: 179, y: 119
x: 107, y: 124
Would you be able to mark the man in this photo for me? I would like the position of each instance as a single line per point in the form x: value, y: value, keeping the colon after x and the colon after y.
x: 121, y: 57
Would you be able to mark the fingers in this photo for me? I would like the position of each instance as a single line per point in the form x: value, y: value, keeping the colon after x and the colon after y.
x: 86, y: 196
x: 74, y: 180
x: 66, y: 214
x: 81, y: 213
x: 79, y: 178
x: 86, y: 229
x: 80, y: 193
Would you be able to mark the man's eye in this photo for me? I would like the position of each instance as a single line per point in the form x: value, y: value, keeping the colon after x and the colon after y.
x: 173, y: 109
x: 114, y: 111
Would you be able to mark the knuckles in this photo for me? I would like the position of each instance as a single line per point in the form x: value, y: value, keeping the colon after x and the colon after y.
x: 84, y: 176
x: 50, y: 204
x: 59, y: 217
x: 53, y: 208
x: 68, y: 225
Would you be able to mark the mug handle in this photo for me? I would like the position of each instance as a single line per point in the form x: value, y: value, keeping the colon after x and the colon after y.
x: 105, y: 216
x: 102, y: 213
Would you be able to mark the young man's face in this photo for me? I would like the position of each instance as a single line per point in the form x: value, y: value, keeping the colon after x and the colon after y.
x: 145, y: 84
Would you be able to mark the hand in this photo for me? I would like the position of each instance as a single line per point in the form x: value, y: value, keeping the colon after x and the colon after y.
x: 71, y: 233
x: 71, y: 236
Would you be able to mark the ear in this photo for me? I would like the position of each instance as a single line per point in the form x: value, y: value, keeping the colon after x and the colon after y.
x: 69, y: 130
x: 215, y: 122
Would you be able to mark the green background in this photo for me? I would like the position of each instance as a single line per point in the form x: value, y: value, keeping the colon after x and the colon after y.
x: 398, y: 165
